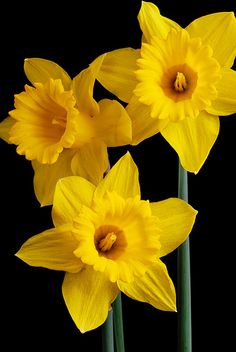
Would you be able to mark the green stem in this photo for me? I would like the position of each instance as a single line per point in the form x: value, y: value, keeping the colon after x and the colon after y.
x: 118, y: 324
x: 107, y: 334
x: 184, y: 278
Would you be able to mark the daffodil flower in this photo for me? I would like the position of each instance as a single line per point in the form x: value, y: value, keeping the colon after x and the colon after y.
x: 108, y: 240
x: 179, y: 82
x: 61, y: 128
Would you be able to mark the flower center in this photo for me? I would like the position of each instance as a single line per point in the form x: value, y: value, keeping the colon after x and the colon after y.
x: 107, y: 242
x: 180, y: 83
x: 59, y: 121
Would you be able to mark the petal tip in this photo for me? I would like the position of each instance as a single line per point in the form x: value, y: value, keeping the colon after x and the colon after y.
x: 18, y: 254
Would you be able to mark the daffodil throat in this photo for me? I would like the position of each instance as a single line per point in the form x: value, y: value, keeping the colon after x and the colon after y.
x: 107, y: 242
x: 59, y: 120
x: 180, y: 83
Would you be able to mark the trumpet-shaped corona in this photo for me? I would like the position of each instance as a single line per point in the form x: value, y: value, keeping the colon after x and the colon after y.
x: 118, y: 237
x: 177, y: 76
x: 46, y: 121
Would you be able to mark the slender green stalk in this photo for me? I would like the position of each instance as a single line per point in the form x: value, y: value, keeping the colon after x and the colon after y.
x: 184, y: 278
x: 107, y: 334
x: 118, y: 324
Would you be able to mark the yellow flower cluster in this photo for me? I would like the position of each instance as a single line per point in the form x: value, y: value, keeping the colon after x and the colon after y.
x: 105, y: 238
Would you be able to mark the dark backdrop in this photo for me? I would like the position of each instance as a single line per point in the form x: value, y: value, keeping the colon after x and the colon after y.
x: 33, y: 315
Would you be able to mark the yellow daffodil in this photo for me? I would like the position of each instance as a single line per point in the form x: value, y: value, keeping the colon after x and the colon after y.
x: 179, y: 82
x: 108, y: 240
x: 61, y: 128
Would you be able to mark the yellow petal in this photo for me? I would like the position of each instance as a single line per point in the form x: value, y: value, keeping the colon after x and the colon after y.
x: 192, y: 139
x: 51, y: 173
x: 225, y: 104
x: 117, y: 72
x: 219, y: 31
x: 70, y: 194
x: 88, y: 296
x: 83, y: 85
x: 122, y: 178
x: 143, y: 125
x: 154, y: 287
x: 176, y: 221
x: 91, y: 161
x: 152, y: 23
x: 52, y: 249
x: 41, y: 70
x: 5, y: 127
x: 113, y: 124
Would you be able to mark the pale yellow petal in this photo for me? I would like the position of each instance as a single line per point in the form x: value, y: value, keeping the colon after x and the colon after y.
x: 47, y: 175
x: 113, y: 124
x: 143, y: 125
x: 152, y: 23
x: 5, y: 127
x: 192, y: 139
x: 117, y: 72
x: 88, y: 296
x: 219, y: 31
x: 70, y: 194
x: 225, y: 104
x: 83, y: 85
x: 176, y: 221
x: 52, y: 249
x: 154, y: 287
x: 41, y: 70
x: 91, y: 161
x: 122, y: 178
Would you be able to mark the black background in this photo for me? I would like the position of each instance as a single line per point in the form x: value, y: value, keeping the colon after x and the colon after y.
x: 33, y: 314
